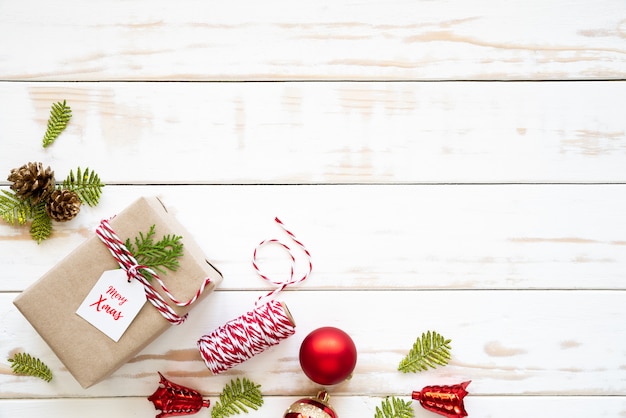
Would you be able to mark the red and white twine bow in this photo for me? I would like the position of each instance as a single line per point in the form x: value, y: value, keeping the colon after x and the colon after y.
x: 282, y: 284
x: 257, y: 330
x: 133, y: 270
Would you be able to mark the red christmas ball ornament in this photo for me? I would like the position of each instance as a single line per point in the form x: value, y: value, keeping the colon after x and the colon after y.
x: 317, y: 407
x: 328, y: 356
x: 443, y: 400
x: 173, y: 399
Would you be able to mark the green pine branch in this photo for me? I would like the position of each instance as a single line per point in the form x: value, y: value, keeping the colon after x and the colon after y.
x: 394, y: 408
x: 14, y: 210
x: 429, y: 351
x: 41, y: 228
x: 60, y: 115
x: 26, y: 365
x: 86, y: 184
x: 237, y: 397
x: 160, y: 255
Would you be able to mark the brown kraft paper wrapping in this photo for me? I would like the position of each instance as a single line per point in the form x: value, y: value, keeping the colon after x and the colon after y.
x: 50, y: 304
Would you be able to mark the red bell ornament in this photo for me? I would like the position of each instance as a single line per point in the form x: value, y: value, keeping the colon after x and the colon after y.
x: 443, y: 400
x: 173, y: 399
x: 328, y: 356
x: 317, y: 407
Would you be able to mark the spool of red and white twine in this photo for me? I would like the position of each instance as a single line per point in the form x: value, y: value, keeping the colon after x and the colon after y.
x: 253, y: 332
x: 133, y: 269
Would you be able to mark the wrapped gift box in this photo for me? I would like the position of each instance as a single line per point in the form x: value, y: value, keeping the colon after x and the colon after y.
x: 50, y: 304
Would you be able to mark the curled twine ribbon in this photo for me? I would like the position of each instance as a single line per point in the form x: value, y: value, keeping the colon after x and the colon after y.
x: 281, y: 284
x: 266, y: 325
x: 133, y: 270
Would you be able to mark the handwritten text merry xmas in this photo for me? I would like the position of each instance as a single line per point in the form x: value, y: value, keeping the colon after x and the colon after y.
x: 115, y: 297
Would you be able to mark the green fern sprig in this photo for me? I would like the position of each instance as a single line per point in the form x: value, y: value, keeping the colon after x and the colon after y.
x: 160, y: 255
x: 41, y: 227
x: 25, y: 364
x: 86, y: 184
x: 60, y: 115
x: 394, y: 408
x: 429, y: 351
x: 237, y: 397
x: 14, y: 210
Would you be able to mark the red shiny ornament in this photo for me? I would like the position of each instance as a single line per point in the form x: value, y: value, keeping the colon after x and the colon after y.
x: 443, y: 400
x: 172, y: 399
x: 328, y: 356
x: 317, y: 407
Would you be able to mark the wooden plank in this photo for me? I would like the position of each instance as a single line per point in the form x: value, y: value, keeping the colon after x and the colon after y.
x: 354, y: 406
x: 506, y: 342
x: 339, y: 40
x: 376, y: 236
x: 491, y: 212
x: 225, y: 133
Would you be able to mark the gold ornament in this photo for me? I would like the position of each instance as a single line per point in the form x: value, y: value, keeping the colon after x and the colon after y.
x: 63, y: 205
x: 313, y: 407
x: 32, y: 181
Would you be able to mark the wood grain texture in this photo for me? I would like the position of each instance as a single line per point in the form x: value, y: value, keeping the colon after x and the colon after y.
x: 250, y: 133
x: 430, y: 196
x: 376, y: 236
x: 506, y: 342
x: 353, y: 406
x: 338, y: 40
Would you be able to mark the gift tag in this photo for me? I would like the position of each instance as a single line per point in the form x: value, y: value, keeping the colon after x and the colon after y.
x: 113, y: 303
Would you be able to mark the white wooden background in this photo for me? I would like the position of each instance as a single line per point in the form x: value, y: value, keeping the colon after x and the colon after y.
x: 451, y: 165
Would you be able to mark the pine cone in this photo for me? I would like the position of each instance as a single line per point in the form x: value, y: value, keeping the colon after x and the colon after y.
x: 63, y: 205
x: 32, y: 181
